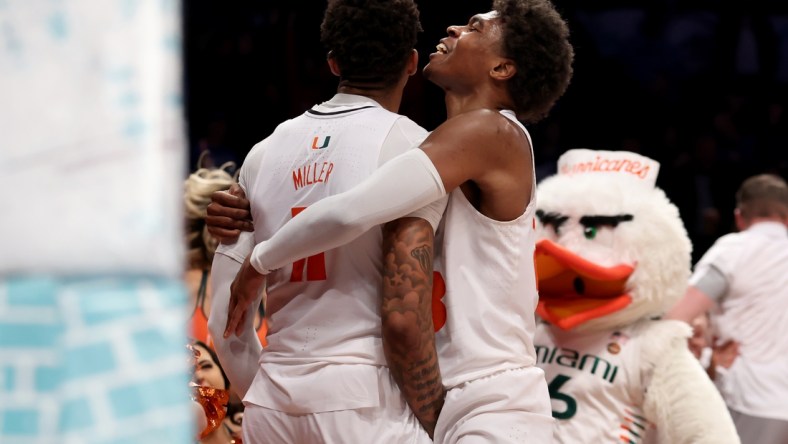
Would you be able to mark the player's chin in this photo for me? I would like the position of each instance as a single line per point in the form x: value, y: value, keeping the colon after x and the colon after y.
x: 435, y: 58
x: 429, y: 69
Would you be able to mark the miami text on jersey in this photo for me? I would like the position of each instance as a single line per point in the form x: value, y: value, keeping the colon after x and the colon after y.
x: 566, y: 357
x: 311, y: 174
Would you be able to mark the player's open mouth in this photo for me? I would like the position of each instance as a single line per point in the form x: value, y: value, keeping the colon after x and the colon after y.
x: 574, y: 290
x: 441, y: 48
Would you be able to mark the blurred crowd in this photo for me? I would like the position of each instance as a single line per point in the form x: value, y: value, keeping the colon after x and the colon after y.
x: 699, y: 86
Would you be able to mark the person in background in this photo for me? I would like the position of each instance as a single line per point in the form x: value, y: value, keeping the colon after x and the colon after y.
x: 713, y: 356
x: 233, y: 420
x: 698, y: 343
x: 201, y: 246
x: 208, y: 373
x: 743, y: 280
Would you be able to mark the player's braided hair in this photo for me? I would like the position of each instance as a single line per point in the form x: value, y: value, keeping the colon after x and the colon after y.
x: 370, y: 39
x: 537, y: 39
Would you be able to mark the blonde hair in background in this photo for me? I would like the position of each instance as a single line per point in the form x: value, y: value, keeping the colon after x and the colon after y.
x: 198, y: 188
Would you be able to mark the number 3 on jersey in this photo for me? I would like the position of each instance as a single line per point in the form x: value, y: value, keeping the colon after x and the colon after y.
x: 315, y: 265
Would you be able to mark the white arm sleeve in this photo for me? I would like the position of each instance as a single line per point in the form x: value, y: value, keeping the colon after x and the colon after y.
x: 406, y: 135
x: 238, y: 355
x: 401, y: 186
x: 432, y: 213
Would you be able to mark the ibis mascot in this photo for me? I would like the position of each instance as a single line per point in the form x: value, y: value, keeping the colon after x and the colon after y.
x: 614, y: 256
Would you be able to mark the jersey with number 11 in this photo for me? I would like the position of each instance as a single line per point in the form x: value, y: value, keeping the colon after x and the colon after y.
x: 324, y: 308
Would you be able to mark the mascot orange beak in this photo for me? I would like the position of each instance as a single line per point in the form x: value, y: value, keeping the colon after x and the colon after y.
x: 574, y: 290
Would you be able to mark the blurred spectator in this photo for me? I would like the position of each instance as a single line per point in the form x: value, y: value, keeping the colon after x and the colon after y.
x: 201, y: 246
x: 699, y: 341
x: 744, y: 279
x: 715, y: 357
x: 212, y: 392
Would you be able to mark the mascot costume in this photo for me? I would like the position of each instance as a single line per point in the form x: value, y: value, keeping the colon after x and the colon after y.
x: 613, y: 257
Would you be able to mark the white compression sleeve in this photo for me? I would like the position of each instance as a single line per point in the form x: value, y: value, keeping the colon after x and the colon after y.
x: 238, y: 355
x: 401, y: 186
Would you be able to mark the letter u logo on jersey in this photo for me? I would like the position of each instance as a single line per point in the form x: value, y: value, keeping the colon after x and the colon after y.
x: 324, y: 145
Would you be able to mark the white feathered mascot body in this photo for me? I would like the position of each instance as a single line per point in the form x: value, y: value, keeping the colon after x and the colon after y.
x: 612, y: 258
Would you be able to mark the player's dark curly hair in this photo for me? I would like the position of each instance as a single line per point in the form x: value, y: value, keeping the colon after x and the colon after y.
x: 537, y: 39
x: 370, y: 39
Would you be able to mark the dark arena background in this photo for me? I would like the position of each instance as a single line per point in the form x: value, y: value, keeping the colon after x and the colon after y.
x: 699, y: 86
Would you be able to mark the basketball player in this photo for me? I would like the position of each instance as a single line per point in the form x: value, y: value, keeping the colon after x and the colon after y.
x: 508, y: 64
x: 323, y: 376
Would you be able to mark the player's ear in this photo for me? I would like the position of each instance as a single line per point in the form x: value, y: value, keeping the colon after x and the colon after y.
x: 333, y: 65
x: 740, y: 220
x: 504, y: 69
x: 413, y: 62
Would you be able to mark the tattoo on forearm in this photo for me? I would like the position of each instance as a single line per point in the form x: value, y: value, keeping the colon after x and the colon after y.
x: 407, y: 300
x: 423, y: 254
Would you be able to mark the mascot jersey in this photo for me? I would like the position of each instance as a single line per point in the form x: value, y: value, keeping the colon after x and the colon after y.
x: 598, y: 380
x: 490, y: 290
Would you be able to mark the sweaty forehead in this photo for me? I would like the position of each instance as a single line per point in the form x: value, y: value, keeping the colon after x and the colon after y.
x: 487, y: 16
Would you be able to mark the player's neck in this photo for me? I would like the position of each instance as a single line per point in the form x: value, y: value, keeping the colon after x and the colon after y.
x: 756, y: 220
x: 463, y: 102
x: 389, y: 98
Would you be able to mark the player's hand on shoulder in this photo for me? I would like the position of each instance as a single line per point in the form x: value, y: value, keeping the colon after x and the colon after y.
x: 228, y: 214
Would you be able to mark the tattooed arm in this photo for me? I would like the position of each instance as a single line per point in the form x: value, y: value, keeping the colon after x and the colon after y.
x: 408, y: 333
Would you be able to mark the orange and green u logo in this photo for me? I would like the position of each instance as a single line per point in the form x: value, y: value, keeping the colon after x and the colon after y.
x: 325, y: 143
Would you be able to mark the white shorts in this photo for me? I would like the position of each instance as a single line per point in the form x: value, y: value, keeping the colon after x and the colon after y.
x: 512, y: 406
x: 392, y: 422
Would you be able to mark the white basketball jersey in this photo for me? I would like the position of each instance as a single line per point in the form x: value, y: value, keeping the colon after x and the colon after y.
x: 490, y: 295
x: 597, y: 384
x: 323, y: 309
